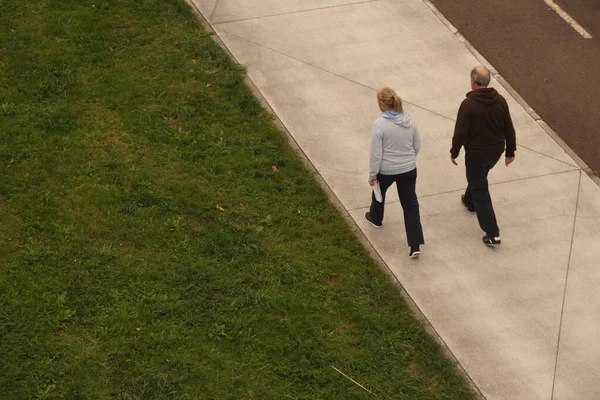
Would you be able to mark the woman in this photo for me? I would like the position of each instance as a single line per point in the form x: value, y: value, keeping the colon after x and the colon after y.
x: 394, y: 147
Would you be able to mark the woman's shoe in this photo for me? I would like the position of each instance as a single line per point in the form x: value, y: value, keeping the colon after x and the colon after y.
x: 415, y: 252
x: 369, y: 220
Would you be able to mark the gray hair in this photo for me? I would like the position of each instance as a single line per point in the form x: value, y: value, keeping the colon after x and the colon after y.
x: 481, y: 76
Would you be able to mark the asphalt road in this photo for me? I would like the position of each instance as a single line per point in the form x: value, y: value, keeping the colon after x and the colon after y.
x: 552, y: 66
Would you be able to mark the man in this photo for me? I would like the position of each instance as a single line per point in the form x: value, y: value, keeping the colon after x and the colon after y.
x: 485, y: 129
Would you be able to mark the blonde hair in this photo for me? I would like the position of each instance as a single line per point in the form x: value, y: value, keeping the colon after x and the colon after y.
x: 389, y: 98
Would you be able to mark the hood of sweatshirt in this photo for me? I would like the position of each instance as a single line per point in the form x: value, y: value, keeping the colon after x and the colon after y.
x: 402, y: 119
x: 484, y: 96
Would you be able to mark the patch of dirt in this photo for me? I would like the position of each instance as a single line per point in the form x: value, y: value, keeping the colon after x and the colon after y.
x: 102, y: 115
x: 413, y: 368
x: 342, y: 329
x: 432, y: 385
x: 331, y: 281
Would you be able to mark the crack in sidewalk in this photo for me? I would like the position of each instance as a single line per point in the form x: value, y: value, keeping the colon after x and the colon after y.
x: 213, y: 12
x: 562, y: 311
x: 462, y: 189
x: 296, y: 12
x: 329, y: 72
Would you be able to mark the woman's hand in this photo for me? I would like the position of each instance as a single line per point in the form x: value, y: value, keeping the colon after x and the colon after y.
x: 373, y: 182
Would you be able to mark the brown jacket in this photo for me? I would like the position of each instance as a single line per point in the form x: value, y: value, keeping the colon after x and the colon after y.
x: 484, y: 127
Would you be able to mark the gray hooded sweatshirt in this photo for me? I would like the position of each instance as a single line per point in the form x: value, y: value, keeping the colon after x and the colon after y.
x: 394, y: 144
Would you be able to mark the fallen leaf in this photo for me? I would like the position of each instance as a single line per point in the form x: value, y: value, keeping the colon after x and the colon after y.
x: 275, y: 169
x: 138, y: 329
x: 209, y: 84
x: 218, y: 207
x: 110, y: 49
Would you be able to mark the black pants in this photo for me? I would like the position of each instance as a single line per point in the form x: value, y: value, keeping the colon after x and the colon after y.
x: 405, y: 183
x: 478, y: 194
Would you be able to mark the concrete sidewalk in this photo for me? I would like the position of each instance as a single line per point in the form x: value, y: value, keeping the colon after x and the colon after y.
x: 521, y: 319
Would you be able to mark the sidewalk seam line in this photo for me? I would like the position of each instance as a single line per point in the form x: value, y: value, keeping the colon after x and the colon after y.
x: 546, y: 155
x: 491, y: 184
x: 295, y: 12
x: 536, y: 176
x: 562, y: 311
x: 212, y: 14
x: 330, y: 72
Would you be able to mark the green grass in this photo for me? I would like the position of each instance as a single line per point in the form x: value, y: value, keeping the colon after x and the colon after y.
x: 122, y: 127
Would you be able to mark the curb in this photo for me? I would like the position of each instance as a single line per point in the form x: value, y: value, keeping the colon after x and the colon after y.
x: 551, y: 132
x: 341, y: 209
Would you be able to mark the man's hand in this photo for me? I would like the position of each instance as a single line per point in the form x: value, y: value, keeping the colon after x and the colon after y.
x: 454, y: 161
x: 372, y: 182
x: 508, y: 160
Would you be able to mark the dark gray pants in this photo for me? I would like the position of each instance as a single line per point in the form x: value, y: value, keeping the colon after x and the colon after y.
x: 478, y: 196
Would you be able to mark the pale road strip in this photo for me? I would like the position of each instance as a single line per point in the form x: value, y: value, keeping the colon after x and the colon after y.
x: 580, y: 29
